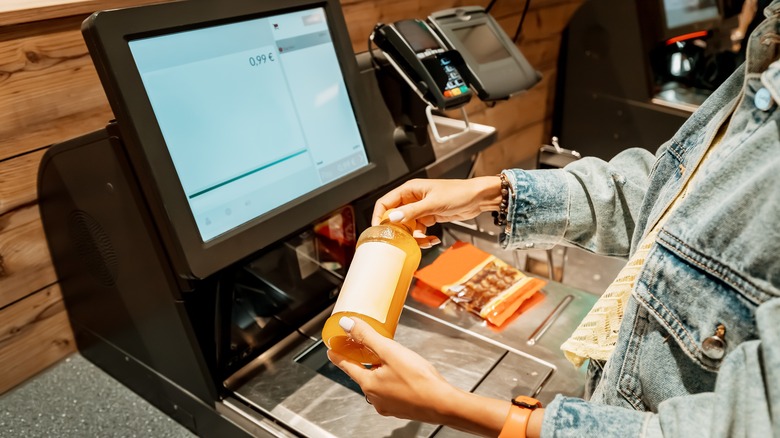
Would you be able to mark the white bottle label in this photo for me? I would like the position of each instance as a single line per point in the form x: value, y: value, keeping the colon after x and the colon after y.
x: 371, y: 280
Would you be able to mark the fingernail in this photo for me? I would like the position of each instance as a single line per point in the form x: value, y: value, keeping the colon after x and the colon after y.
x: 346, y: 324
x: 435, y: 241
x: 425, y: 245
x: 417, y: 234
x: 396, y: 216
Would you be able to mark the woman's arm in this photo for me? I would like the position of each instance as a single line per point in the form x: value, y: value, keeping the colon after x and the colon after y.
x: 591, y: 203
x: 407, y: 386
x: 745, y: 402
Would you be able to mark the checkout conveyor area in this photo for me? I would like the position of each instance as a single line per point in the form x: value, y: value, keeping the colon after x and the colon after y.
x: 190, y: 260
x: 75, y: 398
x: 297, y: 385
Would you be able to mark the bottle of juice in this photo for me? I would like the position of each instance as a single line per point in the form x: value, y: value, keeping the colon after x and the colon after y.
x: 375, y: 287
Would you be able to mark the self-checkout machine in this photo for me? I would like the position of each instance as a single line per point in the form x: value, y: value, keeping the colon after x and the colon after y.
x: 181, y: 233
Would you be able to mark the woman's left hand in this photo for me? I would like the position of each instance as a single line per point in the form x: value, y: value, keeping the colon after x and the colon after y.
x: 405, y: 385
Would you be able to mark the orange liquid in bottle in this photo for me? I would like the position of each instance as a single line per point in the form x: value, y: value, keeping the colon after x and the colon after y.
x: 375, y: 288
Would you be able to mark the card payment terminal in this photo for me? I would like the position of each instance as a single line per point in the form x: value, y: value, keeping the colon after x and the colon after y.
x: 434, y: 72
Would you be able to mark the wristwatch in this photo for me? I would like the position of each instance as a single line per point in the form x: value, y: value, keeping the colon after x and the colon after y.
x: 516, y: 423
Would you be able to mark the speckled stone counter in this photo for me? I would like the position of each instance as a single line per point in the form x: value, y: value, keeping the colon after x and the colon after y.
x: 74, y: 398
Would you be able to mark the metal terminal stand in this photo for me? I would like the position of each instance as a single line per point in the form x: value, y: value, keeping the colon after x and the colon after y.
x: 435, y: 131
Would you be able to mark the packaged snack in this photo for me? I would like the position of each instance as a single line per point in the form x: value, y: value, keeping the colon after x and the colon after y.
x: 335, y: 239
x: 479, y: 282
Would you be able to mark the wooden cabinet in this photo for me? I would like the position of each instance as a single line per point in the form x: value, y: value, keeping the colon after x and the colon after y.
x: 50, y: 92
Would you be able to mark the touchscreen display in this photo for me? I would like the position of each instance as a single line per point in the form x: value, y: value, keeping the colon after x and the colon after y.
x: 482, y: 43
x: 684, y: 12
x: 254, y: 114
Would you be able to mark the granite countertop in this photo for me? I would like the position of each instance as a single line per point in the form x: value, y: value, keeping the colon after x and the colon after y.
x: 74, y: 398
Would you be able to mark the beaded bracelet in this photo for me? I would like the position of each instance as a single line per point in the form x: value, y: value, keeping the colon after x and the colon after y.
x: 499, y: 217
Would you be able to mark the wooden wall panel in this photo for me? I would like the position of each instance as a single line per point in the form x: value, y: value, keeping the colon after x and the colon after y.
x: 18, y: 177
x: 34, y: 333
x: 25, y: 265
x: 519, y: 149
x: 50, y: 92
x: 522, y: 111
x: 362, y: 16
x: 49, y: 89
x: 26, y: 11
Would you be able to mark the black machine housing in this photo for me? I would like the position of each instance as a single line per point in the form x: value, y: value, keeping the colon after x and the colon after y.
x: 182, y: 320
x: 166, y: 314
x: 616, y: 88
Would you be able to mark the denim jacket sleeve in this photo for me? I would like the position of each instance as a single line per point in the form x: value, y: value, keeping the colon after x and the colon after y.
x: 744, y: 403
x: 590, y: 203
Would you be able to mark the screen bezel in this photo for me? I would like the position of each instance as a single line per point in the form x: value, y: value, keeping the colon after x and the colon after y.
x: 108, y: 34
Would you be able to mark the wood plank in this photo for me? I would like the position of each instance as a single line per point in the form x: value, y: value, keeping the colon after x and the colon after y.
x: 34, y: 334
x: 543, y: 53
x: 517, y: 150
x: 540, y: 22
x: 503, y: 8
x: 25, y: 11
x: 25, y: 264
x: 517, y: 113
x: 49, y: 89
x: 520, y: 112
x: 548, y: 21
x: 22, y: 11
x: 520, y: 149
x: 18, y: 180
x: 362, y: 16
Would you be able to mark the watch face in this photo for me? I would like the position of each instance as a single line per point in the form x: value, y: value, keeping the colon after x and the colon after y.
x: 526, y: 402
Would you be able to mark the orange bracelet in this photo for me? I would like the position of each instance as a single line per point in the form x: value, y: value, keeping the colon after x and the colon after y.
x: 516, y: 423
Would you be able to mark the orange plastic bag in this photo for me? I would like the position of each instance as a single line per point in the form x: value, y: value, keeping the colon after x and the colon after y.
x: 479, y: 282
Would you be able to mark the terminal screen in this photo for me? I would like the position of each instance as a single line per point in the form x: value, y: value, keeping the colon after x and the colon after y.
x: 254, y: 114
x: 681, y: 13
x: 482, y: 43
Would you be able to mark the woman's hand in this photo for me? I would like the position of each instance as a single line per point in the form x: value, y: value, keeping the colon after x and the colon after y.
x: 407, y: 386
x: 429, y: 201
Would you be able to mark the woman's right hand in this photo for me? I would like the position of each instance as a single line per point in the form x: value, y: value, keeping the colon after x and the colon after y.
x: 429, y: 201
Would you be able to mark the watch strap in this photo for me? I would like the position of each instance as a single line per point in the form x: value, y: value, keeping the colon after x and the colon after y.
x: 516, y: 423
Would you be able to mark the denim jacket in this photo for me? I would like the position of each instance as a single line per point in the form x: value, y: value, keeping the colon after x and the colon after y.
x: 715, y: 263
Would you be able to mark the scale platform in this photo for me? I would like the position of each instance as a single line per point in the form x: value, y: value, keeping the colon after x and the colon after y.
x: 295, y: 384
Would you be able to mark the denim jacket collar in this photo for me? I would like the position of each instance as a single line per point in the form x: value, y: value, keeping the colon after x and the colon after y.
x: 772, y: 9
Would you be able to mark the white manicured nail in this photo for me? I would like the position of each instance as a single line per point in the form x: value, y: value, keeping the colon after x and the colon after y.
x: 396, y: 216
x: 417, y: 234
x: 346, y: 324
